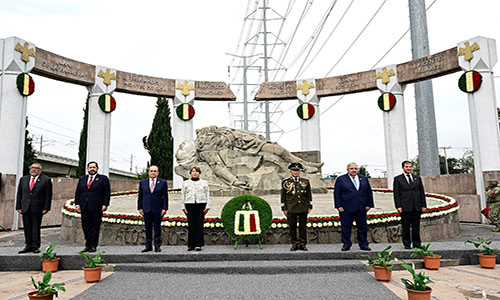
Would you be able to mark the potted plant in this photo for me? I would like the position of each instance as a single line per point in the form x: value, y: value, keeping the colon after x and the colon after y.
x: 44, y: 289
x: 50, y: 261
x: 431, y: 261
x: 381, y: 264
x: 93, y: 269
x: 487, y: 256
x: 417, y: 289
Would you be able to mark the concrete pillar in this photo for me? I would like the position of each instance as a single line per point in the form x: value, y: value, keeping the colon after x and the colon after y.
x: 18, y: 56
x: 183, y: 129
x: 396, y: 146
x: 309, y: 126
x: 99, y: 124
x: 479, y: 54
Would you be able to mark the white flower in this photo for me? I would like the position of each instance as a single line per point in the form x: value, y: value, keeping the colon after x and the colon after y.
x: 273, y: 225
x: 329, y: 223
x: 308, y: 224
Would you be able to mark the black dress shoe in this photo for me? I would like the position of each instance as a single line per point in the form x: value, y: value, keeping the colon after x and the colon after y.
x: 303, y: 248
x: 345, y: 249
x: 35, y: 250
x: 190, y: 248
x: 198, y: 249
x: 25, y: 250
x: 408, y: 247
x: 417, y: 246
x: 92, y: 249
x: 294, y: 248
x: 365, y: 248
x: 147, y: 249
x: 157, y: 249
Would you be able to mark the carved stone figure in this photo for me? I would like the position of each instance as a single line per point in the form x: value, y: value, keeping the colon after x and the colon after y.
x: 236, y: 160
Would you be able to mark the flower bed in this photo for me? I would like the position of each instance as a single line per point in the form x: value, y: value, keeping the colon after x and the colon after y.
x: 448, y: 205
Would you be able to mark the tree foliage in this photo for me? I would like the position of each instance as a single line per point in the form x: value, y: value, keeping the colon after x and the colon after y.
x: 464, y: 164
x: 82, y: 147
x: 363, y: 171
x: 160, y: 143
x: 29, y: 152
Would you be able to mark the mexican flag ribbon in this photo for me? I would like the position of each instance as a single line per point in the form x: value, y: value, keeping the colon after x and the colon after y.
x: 25, y: 84
x: 107, y: 103
x: 185, y: 111
x: 305, y: 111
x: 247, y: 222
x: 470, y: 81
x: 386, y: 101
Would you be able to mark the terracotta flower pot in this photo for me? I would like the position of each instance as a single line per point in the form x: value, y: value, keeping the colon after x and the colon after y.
x: 432, y: 262
x: 419, y: 295
x: 381, y: 273
x: 487, y: 261
x: 92, y: 274
x: 33, y: 295
x: 50, y: 265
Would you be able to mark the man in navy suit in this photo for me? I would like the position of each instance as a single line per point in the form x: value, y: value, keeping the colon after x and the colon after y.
x: 353, y: 199
x: 92, y: 199
x: 409, y: 199
x: 152, y: 203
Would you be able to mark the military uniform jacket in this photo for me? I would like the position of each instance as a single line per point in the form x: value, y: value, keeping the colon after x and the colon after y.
x: 296, y: 197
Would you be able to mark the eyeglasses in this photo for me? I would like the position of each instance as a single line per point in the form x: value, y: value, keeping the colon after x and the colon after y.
x: 35, y: 168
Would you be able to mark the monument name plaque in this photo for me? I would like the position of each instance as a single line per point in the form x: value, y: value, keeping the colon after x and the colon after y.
x: 144, y: 85
x: 61, y: 68
x: 278, y: 90
x: 428, y: 67
x: 213, y: 90
x: 347, y: 84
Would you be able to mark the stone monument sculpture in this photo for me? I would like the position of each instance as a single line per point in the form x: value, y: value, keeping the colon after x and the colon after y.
x: 236, y: 161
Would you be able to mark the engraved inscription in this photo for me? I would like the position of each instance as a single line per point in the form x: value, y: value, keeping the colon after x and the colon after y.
x: 144, y: 83
x: 281, y: 88
x: 428, y: 65
x: 210, y: 88
x: 347, y: 83
x: 63, y: 67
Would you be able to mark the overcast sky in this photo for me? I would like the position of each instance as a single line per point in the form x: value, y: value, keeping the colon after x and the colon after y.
x: 188, y: 40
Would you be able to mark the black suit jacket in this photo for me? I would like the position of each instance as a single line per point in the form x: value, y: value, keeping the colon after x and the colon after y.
x: 409, y: 196
x: 94, y: 198
x: 36, y: 200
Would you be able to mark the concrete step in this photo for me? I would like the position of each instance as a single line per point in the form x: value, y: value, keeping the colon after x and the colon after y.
x: 246, y: 267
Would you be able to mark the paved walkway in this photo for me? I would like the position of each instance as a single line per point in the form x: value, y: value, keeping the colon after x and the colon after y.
x: 450, y: 282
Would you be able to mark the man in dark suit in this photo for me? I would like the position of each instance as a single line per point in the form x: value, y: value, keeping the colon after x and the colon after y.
x: 409, y: 199
x: 296, y: 203
x: 92, y: 199
x: 152, y: 203
x: 353, y: 198
x: 34, y: 197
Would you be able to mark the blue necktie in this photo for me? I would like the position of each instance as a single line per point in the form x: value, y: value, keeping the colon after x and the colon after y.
x: 355, y: 184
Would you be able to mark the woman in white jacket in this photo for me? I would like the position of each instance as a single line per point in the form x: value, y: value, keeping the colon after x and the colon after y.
x: 195, y: 204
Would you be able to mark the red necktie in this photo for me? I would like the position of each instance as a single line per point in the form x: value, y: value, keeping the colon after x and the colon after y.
x: 32, y: 183
x: 90, y: 182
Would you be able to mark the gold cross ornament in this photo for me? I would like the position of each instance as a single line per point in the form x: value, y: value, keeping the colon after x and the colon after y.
x: 467, y: 51
x: 107, y: 76
x: 305, y: 87
x: 185, y: 88
x: 26, y: 52
x: 384, y: 75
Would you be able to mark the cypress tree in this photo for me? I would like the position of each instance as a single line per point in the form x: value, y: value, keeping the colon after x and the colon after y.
x: 29, y: 152
x: 82, y: 147
x: 160, y: 143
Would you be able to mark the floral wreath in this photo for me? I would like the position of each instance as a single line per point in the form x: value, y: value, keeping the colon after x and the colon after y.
x: 447, y: 206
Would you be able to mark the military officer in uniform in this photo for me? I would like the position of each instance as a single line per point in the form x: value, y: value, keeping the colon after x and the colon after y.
x: 296, y: 203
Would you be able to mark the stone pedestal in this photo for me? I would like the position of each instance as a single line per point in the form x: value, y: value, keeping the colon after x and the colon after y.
x: 99, y: 123
x: 479, y: 54
x: 17, y: 56
x: 396, y: 146
x: 182, y: 130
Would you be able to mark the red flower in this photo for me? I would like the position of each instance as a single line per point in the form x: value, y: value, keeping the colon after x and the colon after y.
x: 493, y: 195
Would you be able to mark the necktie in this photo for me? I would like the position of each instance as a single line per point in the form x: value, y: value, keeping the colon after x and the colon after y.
x: 90, y: 182
x: 32, y: 183
x: 355, y: 183
x: 409, y: 178
x: 152, y: 186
